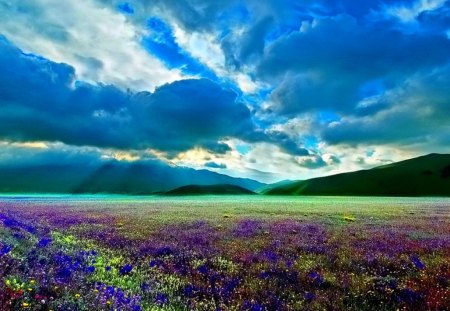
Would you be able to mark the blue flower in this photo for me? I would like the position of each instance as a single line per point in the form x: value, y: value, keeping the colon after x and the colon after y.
x: 64, y: 273
x: 5, y: 249
x: 417, y: 262
x: 309, y: 296
x: 203, y: 269
x: 44, y: 242
x: 155, y: 263
x: 317, y: 278
x: 252, y: 306
x: 126, y: 269
x: 161, y: 299
x: 90, y: 269
x: 409, y: 296
x: 110, y: 291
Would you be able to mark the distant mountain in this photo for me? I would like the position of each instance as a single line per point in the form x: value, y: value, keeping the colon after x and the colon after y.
x: 209, y: 189
x: 423, y: 176
x: 142, y: 177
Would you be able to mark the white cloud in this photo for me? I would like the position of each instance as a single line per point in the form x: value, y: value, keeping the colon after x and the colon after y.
x: 206, y: 48
x: 99, y: 42
x: 409, y: 13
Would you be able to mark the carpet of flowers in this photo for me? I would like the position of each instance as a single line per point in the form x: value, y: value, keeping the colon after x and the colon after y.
x: 57, y: 257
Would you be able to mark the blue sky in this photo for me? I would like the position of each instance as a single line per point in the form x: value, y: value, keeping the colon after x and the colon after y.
x: 269, y: 90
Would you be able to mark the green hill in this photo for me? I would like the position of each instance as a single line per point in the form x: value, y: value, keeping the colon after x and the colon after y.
x: 423, y: 176
x: 224, y: 189
x: 76, y: 177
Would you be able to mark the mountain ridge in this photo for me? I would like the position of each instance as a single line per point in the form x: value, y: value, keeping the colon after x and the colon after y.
x: 114, y: 177
x: 427, y: 175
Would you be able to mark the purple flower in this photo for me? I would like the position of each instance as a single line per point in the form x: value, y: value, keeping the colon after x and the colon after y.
x: 90, y: 269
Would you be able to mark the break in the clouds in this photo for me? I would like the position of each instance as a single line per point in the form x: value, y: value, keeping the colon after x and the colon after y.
x: 265, y: 89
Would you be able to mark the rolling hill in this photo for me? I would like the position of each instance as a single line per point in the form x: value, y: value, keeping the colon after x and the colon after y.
x: 223, y: 189
x: 427, y: 175
x: 141, y: 177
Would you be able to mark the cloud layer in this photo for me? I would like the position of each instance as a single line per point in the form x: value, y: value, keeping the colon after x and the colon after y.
x: 309, y: 88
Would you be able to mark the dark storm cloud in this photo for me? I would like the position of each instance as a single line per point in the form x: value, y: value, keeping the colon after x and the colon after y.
x: 40, y: 101
x: 418, y: 114
x: 326, y: 65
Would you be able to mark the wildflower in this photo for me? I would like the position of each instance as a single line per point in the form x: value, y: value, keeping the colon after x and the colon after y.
x: 203, y: 269
x: 5, y: 249
x: 409, y: 296
x: 309, y: 296
x: 90, y: 269
x: 349, y: 218
x: 25, y: 304
x: 161, y: 299
x: 126, y: 269
x: 417, y: 262
x: 77, y: 295
x: 44, y: 242
x: 64, y: 273
x: 316, y: 277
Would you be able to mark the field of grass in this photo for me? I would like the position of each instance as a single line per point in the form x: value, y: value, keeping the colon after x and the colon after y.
x: 224, y: 253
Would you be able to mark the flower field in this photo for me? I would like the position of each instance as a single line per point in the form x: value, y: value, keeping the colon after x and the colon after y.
x: 228, y: 253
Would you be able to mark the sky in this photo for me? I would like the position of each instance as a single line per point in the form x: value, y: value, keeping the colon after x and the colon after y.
x: 264, y: 89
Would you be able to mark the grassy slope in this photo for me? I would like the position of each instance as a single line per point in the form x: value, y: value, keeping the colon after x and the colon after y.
x: 144, y: 177
x: 209, y: 189
x: 423, y: 176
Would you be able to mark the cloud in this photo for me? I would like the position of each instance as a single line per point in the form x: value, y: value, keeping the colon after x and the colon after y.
x: 83, y: 33
x: 162, y: 43
x: 327, y: 65
x: 41, y: 101
x: 417, y: 115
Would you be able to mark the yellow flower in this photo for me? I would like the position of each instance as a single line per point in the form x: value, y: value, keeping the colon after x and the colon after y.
x: 108, y: 302
x: 77, y: 295
x: 30, y: 289
x: 349, y: 218
x: 32, y: 281
x: 25, y: 304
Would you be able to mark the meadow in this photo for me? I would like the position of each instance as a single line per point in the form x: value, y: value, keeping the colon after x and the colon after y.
x: 248, y: 253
